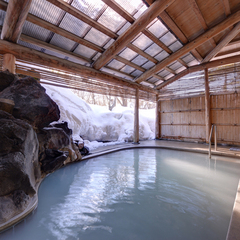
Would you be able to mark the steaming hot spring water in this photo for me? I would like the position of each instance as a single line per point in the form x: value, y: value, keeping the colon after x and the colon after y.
x: 135, y: 194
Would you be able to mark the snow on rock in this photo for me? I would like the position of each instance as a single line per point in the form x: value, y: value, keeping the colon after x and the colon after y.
x: 97, y: 124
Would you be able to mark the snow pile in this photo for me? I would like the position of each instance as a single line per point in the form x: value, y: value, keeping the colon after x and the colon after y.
x: 97, y: 124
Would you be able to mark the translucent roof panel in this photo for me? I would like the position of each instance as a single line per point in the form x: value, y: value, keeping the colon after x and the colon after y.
x: 136, y: 73
x: 89, y: 7
x: 153, y: 80
x: 108, y: 44
x: 73, y: 25
x: 169, y: 76
x: 162, y: 55
x: 130, y: 6
x: 158, y: 29
x: 180, y: 69
x: 188, y: 58
x: 128, y: 54
x: 142, y: 42
x: 46, y: 10
x: 25, y: 44
x: 96, y: 56
x: 35, y: 31
x: 124, y: 28
x: 163, y: 73
x: 96, y: 37
x: 148, y: 65
x: 111, y: 19
x: 168, y: 39
x: 55, y: 54
x: 116, y: 64
x: 140, y: 12
x: 175, y: 46
x: 174, y: 66
x: 127, y: 69
x: 116, y: 73
x: 84, y: 51
x: 153, y: 50
x: 62, y: 42
x: 139, y: 60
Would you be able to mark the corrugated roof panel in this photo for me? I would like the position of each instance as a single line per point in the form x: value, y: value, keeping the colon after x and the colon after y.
x: 152, y: 80
x: 116, y: 64
x: 140, y: 12
x: 153, y: 50
x: 142, y: 42
x: 180, y: 69
x: 168, y: 39
x: 163, y: 73
x: 115, y: 73
x: 175, y: 65
x: 158, y: 29
x: 55, y: 54
x: 84, y: 51
x: 175, y: 46
x: 124, y: 28
x: 188, y: 58
x: 169, y: 76
x: 73, y: 25
x: 148, y: 65
x: 130, y: 6
x: 127, y: 69
x: 193, y: 62
x: 162, y: 55
x: 35, y: 31
x: 89, y: 7
x: 128, y: 54
x: 107, y: 45
x: 136, y: 73
x: 79, y: 61
x: 62, y: 42
x: 25, y: 44
x: 96, y: 56
x: 46, y: 11
x: 2, y: 16
x: 139, y: 60
x: 111, y: 19
x: 96, y: 37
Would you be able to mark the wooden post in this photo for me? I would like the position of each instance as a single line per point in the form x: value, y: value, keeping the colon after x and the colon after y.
x: 136, y: 118
x: 207, y: 106
x: 157, y: 126
x: 9, y: 63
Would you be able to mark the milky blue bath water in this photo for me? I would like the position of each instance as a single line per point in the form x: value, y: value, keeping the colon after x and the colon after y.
x: 143, y: 194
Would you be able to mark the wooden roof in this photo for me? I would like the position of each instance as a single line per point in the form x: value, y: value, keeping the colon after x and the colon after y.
x: 138, y: 44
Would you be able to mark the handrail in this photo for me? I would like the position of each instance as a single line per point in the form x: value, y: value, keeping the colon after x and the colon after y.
x: 215, y: 139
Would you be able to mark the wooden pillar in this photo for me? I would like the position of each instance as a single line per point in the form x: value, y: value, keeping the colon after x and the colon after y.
x: 207, y: 106
x: 136, y: 118
x: 158, y: 117
x: 9, y: 63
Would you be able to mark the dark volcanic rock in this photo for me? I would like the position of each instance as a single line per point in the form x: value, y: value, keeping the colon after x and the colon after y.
x: 19, y: 167
x: 32, y: 104
x: 64, y: 127
x: 6, y: 78
x: 54, y: 159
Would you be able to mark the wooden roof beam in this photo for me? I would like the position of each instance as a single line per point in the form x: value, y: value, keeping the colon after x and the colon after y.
x: 222, y: 43
x: 232, y: 19
x: 83, y: 17
x: 44, y: 59
x: 16, y: 14
x: 200, y: 67
x: 152, y: 12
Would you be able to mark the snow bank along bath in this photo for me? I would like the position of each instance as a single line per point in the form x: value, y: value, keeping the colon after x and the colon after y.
x: 135, y: 194
x: 95, y: 123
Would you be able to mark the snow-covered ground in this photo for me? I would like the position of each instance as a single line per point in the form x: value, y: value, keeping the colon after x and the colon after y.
x: 96, y: 124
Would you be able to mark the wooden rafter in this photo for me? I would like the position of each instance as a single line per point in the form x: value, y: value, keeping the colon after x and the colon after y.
x: 200, y: 67
x: 222, y: 43
x: 44, y: 59
x: 232, y: 19
x: 152, y: 12
x: 16, y: 14
x: 83, y: 17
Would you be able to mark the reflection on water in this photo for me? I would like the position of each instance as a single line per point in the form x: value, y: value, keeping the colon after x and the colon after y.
x: 134, y: 194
